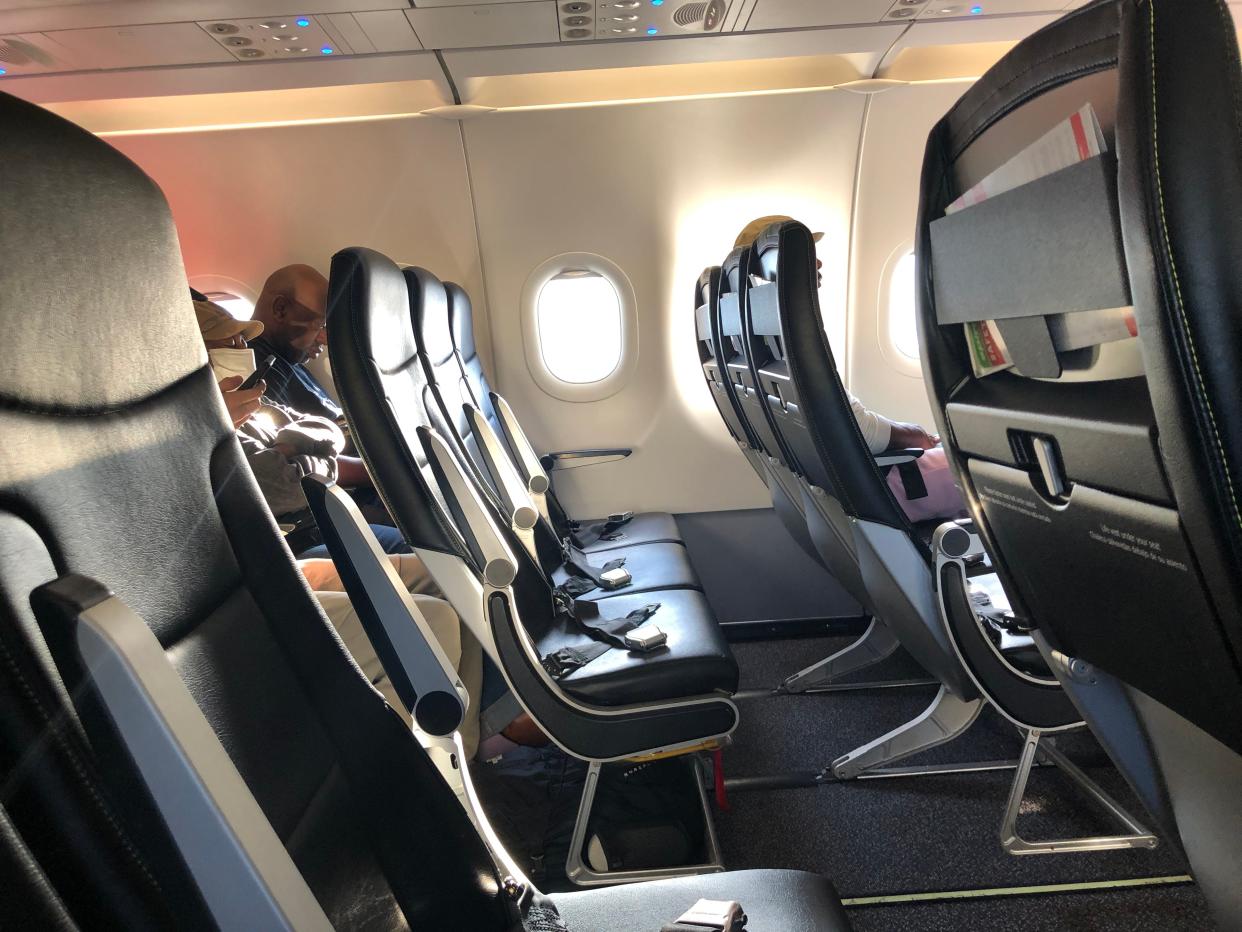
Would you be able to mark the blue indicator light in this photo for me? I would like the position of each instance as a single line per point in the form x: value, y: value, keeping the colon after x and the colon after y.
x: 657, y: 2
x: 327, y: 50
x: 303, y: 22
x: 976, y: 10
x: 3, y: 72
x: 651, y: 30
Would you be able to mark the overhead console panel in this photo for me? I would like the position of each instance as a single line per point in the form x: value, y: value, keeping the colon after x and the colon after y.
x: 640, y: 19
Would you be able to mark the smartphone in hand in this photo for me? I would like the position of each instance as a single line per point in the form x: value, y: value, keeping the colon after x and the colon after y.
x: 258, y: 374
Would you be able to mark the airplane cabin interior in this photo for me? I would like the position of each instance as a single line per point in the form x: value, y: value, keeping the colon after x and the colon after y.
x: 621, y: 465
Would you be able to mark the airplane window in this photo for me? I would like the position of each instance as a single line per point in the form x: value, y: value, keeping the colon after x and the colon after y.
x: 903, y: 328
x: 239, y: 307
x: 578, y: 315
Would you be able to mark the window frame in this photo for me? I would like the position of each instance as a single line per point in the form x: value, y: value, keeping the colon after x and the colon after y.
x: 226, y: 285
x: 547, y: 380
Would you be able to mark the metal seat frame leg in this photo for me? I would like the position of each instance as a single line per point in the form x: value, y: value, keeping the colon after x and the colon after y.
x: 942, y: 721
x: 877, y: 643
x: 583, y: 875
x: 1139, y: 836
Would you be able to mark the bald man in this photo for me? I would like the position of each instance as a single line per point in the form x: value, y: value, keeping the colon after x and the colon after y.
x: 293, y: 308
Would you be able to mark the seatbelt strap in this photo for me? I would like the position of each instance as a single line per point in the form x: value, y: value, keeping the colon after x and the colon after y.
x: 606, y: 632
x: 579, y: 565
x: 583, y: 535
x: 912, y: 480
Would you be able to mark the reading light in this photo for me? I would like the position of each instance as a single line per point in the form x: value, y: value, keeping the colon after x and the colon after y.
x: 651, y: 30
x: 327, y: 50
x: 303, y: 22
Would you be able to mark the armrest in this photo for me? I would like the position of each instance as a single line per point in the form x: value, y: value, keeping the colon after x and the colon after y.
x: 573, y: 459
x: 126, y: 688
x: 537, y: 481
x: 514, y: 494
x: 420, y: 672
x: 486, y: 541
x: 897, y: 457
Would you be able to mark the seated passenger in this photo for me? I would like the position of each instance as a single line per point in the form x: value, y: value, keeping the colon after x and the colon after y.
x: 281, y: 447
x: 280, y: 444
x: 943, y: 499
x: 293, y: 308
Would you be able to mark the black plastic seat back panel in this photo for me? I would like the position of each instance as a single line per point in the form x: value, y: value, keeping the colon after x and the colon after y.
x: 120, y: 463
x: 1145, y: 581
x: 707, y: 336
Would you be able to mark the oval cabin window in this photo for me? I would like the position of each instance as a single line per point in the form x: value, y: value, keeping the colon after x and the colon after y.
x: 903, y: 330
x: 579, y: 323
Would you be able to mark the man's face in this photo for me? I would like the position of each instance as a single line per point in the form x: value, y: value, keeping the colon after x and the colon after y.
x: 304, y: 319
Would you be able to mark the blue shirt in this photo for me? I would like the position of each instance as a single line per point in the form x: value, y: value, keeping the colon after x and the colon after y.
x: 291, y: 385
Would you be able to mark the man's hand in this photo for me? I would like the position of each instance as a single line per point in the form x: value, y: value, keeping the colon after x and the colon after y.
x: 911, y: 437
x: 241, y: 404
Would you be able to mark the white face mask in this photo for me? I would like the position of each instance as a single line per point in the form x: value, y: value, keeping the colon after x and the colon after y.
x: 227, y: 361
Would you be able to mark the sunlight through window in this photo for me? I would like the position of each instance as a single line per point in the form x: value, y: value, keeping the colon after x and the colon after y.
x: 903, y: 327
x: 579, y: 320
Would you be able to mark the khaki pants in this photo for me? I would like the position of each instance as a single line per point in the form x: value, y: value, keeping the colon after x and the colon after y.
x: 458, y: 644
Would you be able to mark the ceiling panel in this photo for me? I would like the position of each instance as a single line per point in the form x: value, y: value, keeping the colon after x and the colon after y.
x: 42, y: 16
x: 790, y: 14
x: 141, y: 46
x: 455, y: 27
x: 388, y: 31
x: 33, y: 53
x: 866, y: 43
x: 940, y: 9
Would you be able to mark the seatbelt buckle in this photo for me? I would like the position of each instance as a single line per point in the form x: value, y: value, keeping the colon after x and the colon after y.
x: 616, y: 577
x: 717, y: 915
x: 620, y: 517
x: 646, y: 638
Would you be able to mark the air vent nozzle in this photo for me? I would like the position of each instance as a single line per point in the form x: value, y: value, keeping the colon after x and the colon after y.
x: 690, y: 14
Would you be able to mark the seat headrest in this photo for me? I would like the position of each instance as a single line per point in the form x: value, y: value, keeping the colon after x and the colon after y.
x: 733, y: 260
x: 371, y: 282
x: 770, y: 237
x: 429, y: 311
x: 461, y: 320
x: 94, y: 304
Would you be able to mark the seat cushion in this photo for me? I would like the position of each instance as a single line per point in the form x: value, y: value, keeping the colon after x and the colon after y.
x: 644, y: 528
x: 774, y: 901
x: 651, y: 566
x: 695, y: 661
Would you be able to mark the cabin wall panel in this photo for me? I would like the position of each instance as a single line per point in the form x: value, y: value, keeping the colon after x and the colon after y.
x: 660, y: 188
x: 248, y: 201
x: 898, y: 123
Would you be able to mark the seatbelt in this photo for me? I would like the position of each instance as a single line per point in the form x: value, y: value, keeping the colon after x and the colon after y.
x: 912, y: 480
x: 606, y: 632
x: 583, y: 535
x: 609, y: 577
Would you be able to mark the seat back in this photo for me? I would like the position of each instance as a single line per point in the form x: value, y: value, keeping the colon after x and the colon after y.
x: 445, y: 394
x: 120, y: 463
x: 861, y: 532
x: 1103, y: 478
x: 708, y: 338
x: 461, y: 328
